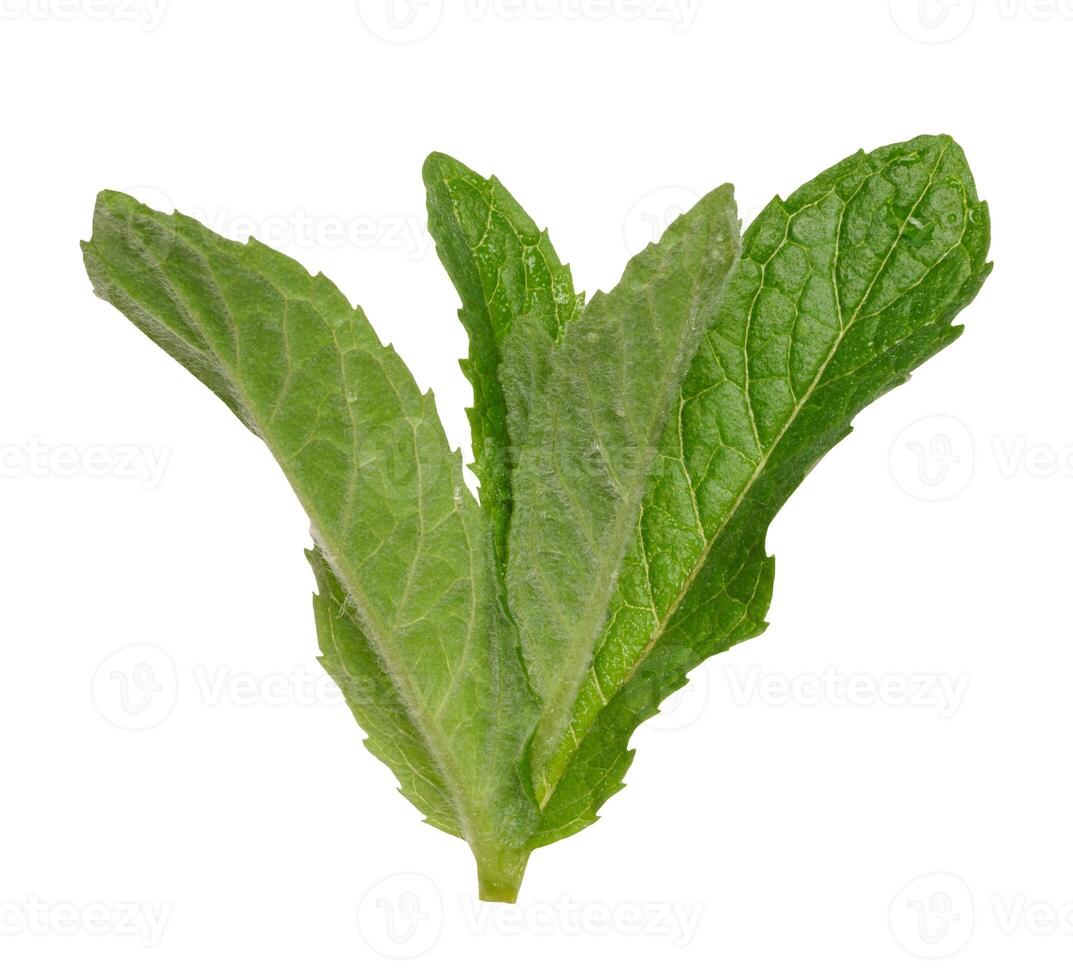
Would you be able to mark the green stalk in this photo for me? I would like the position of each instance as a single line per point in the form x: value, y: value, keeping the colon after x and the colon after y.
x: 499, y: 874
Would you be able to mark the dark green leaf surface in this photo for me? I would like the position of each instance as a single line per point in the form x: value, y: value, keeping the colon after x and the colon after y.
x: 842, y: 290
x: 504, y: 268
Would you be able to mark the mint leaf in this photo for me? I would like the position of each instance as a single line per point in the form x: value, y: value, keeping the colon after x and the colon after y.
x: 377, y: 704
x: 591, y: 441
x: 410, y: 609
x: 837, y: 297
x: 504, y: 268
x: 632, y: 454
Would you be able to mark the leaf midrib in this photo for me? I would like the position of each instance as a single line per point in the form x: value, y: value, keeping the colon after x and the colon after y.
x: 844, y: 328
x: 371, y: 626
x: 559, y: 702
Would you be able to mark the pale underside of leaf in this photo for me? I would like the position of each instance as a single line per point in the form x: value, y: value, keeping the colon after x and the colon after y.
x: 590, y: 439
x: 374, y: 699
x: 842, y: 290
x: 397, y: 531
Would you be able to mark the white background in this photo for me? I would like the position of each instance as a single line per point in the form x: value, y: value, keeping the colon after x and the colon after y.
x: 774, y: 824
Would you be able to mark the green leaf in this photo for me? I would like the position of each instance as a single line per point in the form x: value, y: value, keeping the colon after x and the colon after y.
x: 410, y: 610
x: 632, y: 454
x: 582, y: 471
x: 841, y: 291
x: 375, y: 700
x: 504, y: 268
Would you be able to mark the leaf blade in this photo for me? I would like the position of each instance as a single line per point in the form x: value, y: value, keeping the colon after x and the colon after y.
x: 349, y: 659
x: 504, y: 268
x: 590, y: 439
x: 364, y: 451
x: 901, y: 237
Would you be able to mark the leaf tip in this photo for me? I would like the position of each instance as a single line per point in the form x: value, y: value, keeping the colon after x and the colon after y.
x: 439, y: 166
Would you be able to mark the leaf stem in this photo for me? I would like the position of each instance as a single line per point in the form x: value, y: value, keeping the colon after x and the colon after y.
x: 499, y: 874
